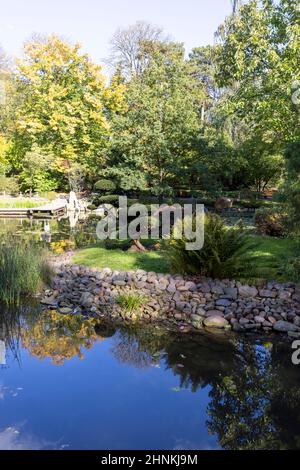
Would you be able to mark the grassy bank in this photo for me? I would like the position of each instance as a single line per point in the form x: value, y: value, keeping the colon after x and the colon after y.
x: 100, y: 257
x: 264, y: 258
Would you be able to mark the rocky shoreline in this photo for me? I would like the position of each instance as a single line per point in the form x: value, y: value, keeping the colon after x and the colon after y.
x: 184, y: 303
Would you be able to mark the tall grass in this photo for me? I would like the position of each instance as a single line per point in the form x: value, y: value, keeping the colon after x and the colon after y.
x: 130, y: 301
x: 23, y: 269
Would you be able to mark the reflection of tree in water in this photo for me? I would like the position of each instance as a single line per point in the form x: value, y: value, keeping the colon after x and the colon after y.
x: 58, y: 336
x: 83, y: 234
x: 138, y: 347
x: 10, y: 326
x: 254, y: 407
x: 253, y: 389
x: 255, y: 398
x: 204, y: 358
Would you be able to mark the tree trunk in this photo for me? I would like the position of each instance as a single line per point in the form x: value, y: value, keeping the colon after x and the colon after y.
x: 139, y: 245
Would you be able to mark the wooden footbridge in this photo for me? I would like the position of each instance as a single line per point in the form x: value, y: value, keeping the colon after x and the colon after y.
x: 51, y: 210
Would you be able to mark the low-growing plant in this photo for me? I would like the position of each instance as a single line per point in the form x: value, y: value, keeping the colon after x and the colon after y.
x: 104, y: 185
x: 107, y: 199
x: 220, y: 254
x: 270, y: 221
x: 23, y: 268
x: 130, y: 301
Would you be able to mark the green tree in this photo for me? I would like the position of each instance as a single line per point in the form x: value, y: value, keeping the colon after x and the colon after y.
x: 258, y: 57
x: 35, y: 175
x: 64, y: 102
x: 154, y: 137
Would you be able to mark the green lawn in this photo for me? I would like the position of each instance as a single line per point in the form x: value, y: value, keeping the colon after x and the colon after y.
x: 19, y: 204
x: 100, y: 257
x: 264, y: 258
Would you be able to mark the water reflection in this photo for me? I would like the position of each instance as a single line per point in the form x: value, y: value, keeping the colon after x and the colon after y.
x: 75, y: 230
x: 252, y: 388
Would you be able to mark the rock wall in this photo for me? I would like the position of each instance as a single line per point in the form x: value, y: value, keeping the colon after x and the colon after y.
x: 184, y: 303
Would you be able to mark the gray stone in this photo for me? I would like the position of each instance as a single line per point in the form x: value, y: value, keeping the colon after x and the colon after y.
x: 65, y: 310
x: 297, y: 321
x: 215, y: 321
x: 237, y: 327
x: 180, y: 306
x: 247, y: 291
x: 285, y: 295
x: 118, y: 282
x: 293, y: 334
x: 201, y: 312
x: 195, y: 317
x: 86, y: 299
x: 284, y: 326
x: 171, y: 288
x: 211, y: 313
x: 231, y: 292
x: 223, y: 303
x: 266, y: 293
x: 259, y: 319
x: 205, y: 288
x: 217, y: 290
x: 252, y: 326
x: 51, y: 301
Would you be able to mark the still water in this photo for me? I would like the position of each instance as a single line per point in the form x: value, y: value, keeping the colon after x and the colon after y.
x: 71, y: 383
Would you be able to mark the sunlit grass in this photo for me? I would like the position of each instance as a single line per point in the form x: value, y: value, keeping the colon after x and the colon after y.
x: 263, y: 260
x: 100, y: 257
x: 265, y: 257
x: 19, y: 204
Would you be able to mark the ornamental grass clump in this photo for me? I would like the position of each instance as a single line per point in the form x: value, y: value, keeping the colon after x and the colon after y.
x: 23, y: 269
x: 220, y: 255
x: 130, y: 302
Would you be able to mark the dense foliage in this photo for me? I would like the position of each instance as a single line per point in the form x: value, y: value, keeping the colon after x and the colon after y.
x: 219, y: 256
x: 224, y: 119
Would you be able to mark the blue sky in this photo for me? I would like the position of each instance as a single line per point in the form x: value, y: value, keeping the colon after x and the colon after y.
x: 92, y: 22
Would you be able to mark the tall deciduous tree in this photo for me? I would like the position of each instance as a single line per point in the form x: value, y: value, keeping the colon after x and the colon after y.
x: 259, y: 59
x: 153, y: 139
x: 64, y: 105
x: 127, y: 47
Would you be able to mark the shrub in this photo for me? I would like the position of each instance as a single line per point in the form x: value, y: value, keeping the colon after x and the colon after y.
x: 270, y: 221
x: 111, y: 244
x: 108, y: 199
x: 104, y: 185
x: 22, y: 270
x: 219, y: 256
x: 9, y: 185
x: 130, y: 302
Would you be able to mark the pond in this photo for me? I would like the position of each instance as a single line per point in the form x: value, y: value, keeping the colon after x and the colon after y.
x: 72, y: 383
x: 69, y: 232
